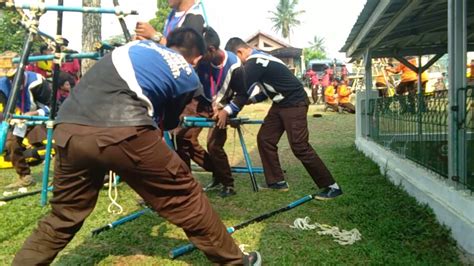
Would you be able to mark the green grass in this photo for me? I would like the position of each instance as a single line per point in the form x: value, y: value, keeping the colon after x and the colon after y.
x: 395, y: 229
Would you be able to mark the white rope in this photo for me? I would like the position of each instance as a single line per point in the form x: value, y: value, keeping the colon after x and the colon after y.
x: 242, y: 247
x: 343, y: 237
x: 113, y: 198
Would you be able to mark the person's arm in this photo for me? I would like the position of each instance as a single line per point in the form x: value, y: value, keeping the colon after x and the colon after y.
x: 237, y: 92
x: 175, y: 107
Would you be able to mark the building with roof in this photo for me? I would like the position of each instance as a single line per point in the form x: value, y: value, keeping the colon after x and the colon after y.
x: 290, y: 55
x: 422, y: 142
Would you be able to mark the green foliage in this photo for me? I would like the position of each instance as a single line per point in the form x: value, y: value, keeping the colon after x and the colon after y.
x: 316, y: 50
x: 161, y: 15
x: 310, y: 54
x: 395, y: 229
x: 13, y: 35
x: 285, y: 17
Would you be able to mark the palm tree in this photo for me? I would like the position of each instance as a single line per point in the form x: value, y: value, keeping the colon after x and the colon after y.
x: 285, y: 17
x: 317, y: 44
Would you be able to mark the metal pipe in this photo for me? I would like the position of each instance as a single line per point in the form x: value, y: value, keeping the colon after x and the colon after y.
x: 17, y: 84
x: 59, y: 8
x: 30, y: 118
x: 120, y: 221
x: 248, y: 162
x: 22, y: 195
x: 126, y: 33
x: 47, y: 163
x: 176, y: 252
x: 36, y: 58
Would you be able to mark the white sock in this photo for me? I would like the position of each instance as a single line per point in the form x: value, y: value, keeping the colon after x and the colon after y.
x: 335, y: 186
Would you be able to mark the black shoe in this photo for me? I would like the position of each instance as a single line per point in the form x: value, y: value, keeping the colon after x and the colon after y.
x: 279, y: 186
x: 328, y: 193
x: 253, y: 259
x: 227, y: 192
x: 214, y: 185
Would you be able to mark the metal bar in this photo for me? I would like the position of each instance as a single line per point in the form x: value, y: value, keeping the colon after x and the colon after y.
x: 432, y: 61
x: 168, y: 141
x: 57, y: 63
x: 36, y: 58
x: 31, y: 118
x: 120, y: 221
x: 35, y: 123
x: 23, y: 195
x: 406, y: 63
x: 408, y: 9
x: 368, y: 87
x: 126, y: 33
x: 59, y: 8
x: 244, y: 170
x: 179, y: 251
x: 248, y: 162
x: 457, y: 42
x: 47, y: 163
x: 420, y: 99
x: 371, y: 22
x: 17, y: 80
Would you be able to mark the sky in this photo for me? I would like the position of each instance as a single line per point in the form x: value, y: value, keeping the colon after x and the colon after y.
x: 332, y: 20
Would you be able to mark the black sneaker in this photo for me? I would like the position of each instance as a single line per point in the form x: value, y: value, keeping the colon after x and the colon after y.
x: 214, y: 185
x: 253, y: 259
x: 328, y: 193
x: 227, y: 192
x: 279, y: 186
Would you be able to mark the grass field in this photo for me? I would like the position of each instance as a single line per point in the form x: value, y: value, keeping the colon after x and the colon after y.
x: 395, y: 229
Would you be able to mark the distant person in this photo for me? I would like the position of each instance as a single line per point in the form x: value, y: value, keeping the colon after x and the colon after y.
x: 344, y: 94
x: 33, y: 99
x: 66, y: 83
x: 71, y: 66
x: 408, y: 84
x: 45, y: 67
x: 330, y: 96
x: 315, y: 87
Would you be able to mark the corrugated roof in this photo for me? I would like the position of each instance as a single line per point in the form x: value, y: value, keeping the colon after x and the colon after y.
x: 423, y: 29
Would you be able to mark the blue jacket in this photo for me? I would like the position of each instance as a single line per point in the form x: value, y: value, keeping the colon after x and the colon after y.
x: 34, y: 94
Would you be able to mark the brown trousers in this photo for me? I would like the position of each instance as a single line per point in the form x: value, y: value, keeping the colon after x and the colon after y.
x: 188, y: 147
x: 147, y: 165
x: 15, y: 147
x: 293, y: 120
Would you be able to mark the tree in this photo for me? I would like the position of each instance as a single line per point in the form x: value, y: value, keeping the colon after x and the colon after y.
x: 317, y: 44
x: 285, y: 17
x: 316, y: 50
x: 13, y: 34
x: 310, y: 54
x: 161, y: 15
x: 91, y: 32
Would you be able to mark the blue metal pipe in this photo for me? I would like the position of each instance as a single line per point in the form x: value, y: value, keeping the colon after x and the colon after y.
x: 31, y: 118
x: 120, y: 221
x: 4, y: 127
x: 36, y: 58
x: 35, y: 123
x: 176, y: 252
x: 169, y: 142
x: 47, y: 163
x: 245, y: 170
x: 248, y: 162
x: 76, y: 9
